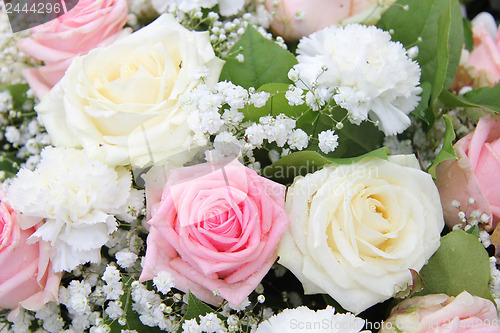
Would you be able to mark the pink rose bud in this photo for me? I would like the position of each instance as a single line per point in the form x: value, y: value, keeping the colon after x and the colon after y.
x: 88, y: 25
x: 215, y: 229
x: 26, y: 276
x: 440, y: 313
x: 475, y: 174
x: 294, y: 19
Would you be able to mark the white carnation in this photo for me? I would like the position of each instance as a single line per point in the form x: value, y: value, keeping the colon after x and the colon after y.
x: 364, y: 71
x: 303, y: 319
x: 77, y: 197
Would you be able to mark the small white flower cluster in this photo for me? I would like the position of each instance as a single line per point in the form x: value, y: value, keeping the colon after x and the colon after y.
x: 231, y: 134
x: 224, y: 33
x: 50, y: 317
x: 81, y: 311
x: 114, y: 287
x: 279, y: 129
x: 21, y: 323
x: 475, y: 218
x: 209, y: 323
x: 152, y: 312
x: 125, y: 258
x: 328, y: 141
x: 125, y: 242
x: 163, y: 282
x: 397, y: 146
x: 494, y: 283
x: 12, y: 61
x: 24, y: 135
x: 339, y: 63
x: 227, y: 8
x: 428, y: 143
x: 139, y: 10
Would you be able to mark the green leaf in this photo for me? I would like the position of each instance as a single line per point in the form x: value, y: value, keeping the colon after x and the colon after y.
x: 196, y: 308
x: 354, y: 140
x: 474, y: 230
x: 443, y: 54
x: 436, y: 27
x: 485, y: 97
x: 469, y: 39
x: 473, y: 111
x: 461, y: 263
x: 264, y: 62
x: 275, y: 105
x: 302, y: 162
x: 18, y: 92
x: 9, y: 163
x: 447, y: 152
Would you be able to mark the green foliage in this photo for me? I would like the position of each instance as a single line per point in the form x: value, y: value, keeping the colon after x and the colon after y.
x: 196, y: 308
x: 437, y: 28
x: 9, y: 163
x: 461, y: 263
x: 264, y: 62
x: 447, y: 152
x: 302, y: 162
x: 485, y: 97
x: 474, y: 230
x: 423, y: 111
x: 18, y: 93
x: 354, y: 140
x: 469, y: 40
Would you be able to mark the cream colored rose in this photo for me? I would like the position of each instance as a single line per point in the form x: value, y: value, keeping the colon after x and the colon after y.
x: 121, y: 103
x: 356, y: 230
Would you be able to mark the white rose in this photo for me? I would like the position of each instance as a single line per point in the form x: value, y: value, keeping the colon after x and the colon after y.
x: 356, y: 230
x: 121, y: 103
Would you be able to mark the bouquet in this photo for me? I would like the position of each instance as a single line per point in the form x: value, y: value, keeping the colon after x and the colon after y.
x: 249, y: 166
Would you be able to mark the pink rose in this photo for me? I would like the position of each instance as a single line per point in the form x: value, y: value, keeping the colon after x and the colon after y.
x: 294, y: 19
x: 26, y: 276
x: 480, y: 67
x: 88, y: 25
x: 475, y: 174
x: 440, y: 313
x: 485, y: 57
x: 214, y: 229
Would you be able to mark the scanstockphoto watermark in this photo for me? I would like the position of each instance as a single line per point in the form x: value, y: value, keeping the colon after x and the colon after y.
x: 355, y: 324
x: 348, y: 324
